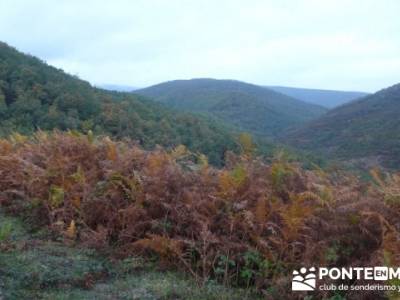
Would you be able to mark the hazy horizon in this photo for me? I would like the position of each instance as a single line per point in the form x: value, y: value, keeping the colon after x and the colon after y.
x: 331, y: 45
x: 105, y: 84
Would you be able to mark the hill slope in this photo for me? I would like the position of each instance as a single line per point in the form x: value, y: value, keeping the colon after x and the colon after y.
x: 326, y: 98
x: 248, y: 107
x: 368, y: 128
x: 34, y: 95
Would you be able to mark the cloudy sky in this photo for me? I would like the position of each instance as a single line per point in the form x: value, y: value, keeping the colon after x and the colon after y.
x: 338, y: 44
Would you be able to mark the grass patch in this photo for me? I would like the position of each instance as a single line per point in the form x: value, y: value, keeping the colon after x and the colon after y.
x: 36, y: 268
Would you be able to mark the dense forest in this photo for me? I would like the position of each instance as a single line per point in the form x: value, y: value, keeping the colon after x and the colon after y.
x: 34, y: 95
x: 366, y: 131
x: 248, y: 107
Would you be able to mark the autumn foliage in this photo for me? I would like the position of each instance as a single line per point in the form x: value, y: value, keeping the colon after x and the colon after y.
x: 249, y: 224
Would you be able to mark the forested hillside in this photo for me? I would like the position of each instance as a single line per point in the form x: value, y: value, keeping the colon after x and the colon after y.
x: 326, y: 98
x: 366, y: 130
x: 34, y: 95
x: 246, y: 106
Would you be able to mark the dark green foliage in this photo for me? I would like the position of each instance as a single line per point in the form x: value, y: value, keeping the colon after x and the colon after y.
x: 248, y: 107
x: 35, y: 96
x: 367, y: 130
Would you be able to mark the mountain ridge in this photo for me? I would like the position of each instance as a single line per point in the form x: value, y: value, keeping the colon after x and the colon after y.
x: 323, y: 97
x: 246, y: 106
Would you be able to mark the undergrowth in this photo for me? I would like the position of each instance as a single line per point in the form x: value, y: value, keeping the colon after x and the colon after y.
x: 248, y: 225
x: 34, y: 267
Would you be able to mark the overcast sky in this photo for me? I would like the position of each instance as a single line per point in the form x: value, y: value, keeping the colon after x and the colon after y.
x: 349, y: 45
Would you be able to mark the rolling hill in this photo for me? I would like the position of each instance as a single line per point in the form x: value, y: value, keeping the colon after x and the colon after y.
x: 34, y: 95
x: 246, y: 106
x: 366, y: 130
x: 326, y: 98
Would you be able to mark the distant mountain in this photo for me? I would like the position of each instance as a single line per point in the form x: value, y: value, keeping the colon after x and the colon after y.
x: 34, y: 95
x: 366, y: 130
x: 326, y: 98
x: 117, y: 88
x: 248, y: 107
